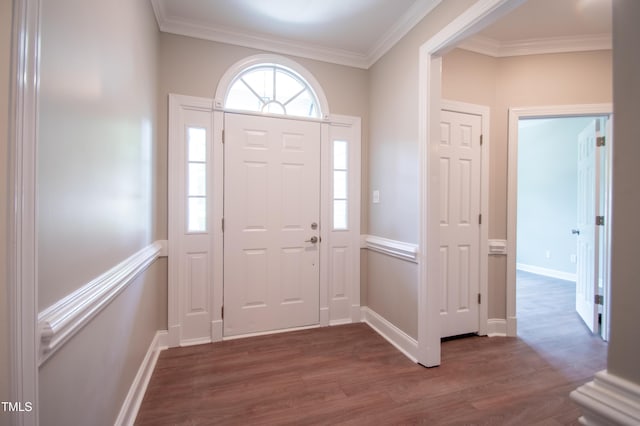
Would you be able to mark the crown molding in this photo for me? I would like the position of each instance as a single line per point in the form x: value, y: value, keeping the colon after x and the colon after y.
x: 409, y: 19
x: 537, y: 46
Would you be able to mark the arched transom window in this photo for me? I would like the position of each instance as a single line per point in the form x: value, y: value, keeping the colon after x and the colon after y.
x: 272, y: 89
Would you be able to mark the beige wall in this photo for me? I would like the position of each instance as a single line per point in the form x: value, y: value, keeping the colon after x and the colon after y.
x: 194, y: 67
x: 96, y: 139
x: 521, y: 81
x: 393, y: 165
x: 5, y: 54
x: 85, y: 383
x: 392, y: 288
x: 97, y: 142
x: 624, y: 345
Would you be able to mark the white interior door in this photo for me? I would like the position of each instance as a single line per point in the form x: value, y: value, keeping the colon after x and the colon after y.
x: 588, y: 244
x: 271, y: 220
x: 460, y: 184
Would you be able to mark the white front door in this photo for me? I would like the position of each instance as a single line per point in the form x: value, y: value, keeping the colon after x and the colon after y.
x: 587, y: 231
x: 271, y: 223
x: 460, y: 183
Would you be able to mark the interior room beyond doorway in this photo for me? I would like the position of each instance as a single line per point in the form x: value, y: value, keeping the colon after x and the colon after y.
x: 551, y: 201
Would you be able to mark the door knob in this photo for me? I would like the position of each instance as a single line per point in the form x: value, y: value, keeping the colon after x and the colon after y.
x: 312, y: 240
x: 575, y: 231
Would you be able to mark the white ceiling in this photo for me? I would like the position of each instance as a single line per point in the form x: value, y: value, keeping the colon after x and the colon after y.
x: 358, y: 32
x: 349, y: 32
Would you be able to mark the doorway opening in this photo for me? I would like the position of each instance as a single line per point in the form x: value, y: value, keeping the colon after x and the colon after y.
x: 558, y: 192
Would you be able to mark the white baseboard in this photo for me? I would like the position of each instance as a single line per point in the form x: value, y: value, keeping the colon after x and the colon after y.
x: 551, y: 273
x: 216, y: 331
x: 173, y: 337
x: 496, y: 327
x: 324, y: 317
x: 608, y: 400
x: 131, y: 405
x: 266, y: 333
x: 398, y: 338
x: 356, y: 313
x: 340, y: 321
x: 512, y: 326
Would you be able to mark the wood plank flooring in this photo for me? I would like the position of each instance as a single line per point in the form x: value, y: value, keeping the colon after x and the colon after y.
x: 350, y: 375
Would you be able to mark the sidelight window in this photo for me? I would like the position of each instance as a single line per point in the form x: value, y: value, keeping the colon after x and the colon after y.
x: 196, y: 179
x: 340, y: 185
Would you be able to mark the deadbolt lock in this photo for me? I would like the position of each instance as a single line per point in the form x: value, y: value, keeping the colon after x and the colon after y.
x: 314, y: 226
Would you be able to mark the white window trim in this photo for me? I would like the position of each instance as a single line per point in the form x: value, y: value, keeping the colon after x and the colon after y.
x: 228, y: 78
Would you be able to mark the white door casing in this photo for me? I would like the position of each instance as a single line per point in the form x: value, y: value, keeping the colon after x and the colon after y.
x: 515, y: 114
x: 339, y: 250
x: 191, y: 250
x: 588, y: 237
x: 271, y: 245
x: 460, y: 190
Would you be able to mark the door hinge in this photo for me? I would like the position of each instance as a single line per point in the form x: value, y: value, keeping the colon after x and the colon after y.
x: 222, y: 312
x: 600, y: 140
x: 599, y: 220
x: 222, y: 135
x: 598, y: 299
x: 481, y: 139
x: 223, y: 224
x: 479, y: 299
x: 480, y: 219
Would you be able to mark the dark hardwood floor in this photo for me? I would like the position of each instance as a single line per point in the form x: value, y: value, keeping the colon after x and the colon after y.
x: 350, y: 375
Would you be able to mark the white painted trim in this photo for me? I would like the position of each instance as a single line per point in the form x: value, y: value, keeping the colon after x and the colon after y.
x: 475, y: 18
x: 546, y: 272
x: 608, y: 400
x: 537, y: 46
x: 263, y: 42
x: 194, y: 342
x: 399, y: 249
x: 224, y: 85
x: 22, y: 256
x: 340, y: 322
x: 498, y: 247
x: 164, y: 248
x: 178, y: 104
x: 345, y: 128
x: 356, y: 311
x: 515, y: 114
x: 217, y: 330
x: 407, y: 21
x: 496, y: 327
x: 285, y: 46
x: 398, y: 338
x: 60, y: 321
x: 133, y: 400
x: 269, y: 332
x: 324, y: 316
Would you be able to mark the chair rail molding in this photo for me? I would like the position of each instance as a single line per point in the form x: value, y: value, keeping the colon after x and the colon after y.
x: 399, y: 249
x: 59, y: 322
